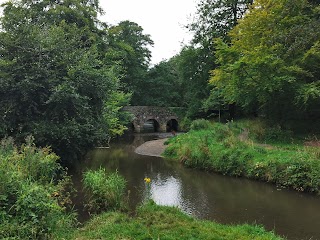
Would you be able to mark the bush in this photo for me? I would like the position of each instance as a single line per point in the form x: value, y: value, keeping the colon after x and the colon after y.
x: 104, y: 191
x: 262, y: 131
x: 200, y: 124
x: 185, y: 124
x: 277, y: 134
x: 29, y: 208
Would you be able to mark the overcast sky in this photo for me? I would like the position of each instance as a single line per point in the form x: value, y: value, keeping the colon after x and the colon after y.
x: 162, y: 19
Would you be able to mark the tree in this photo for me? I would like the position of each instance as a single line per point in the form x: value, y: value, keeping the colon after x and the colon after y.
x: 54, y: 80
x: 193, y: 67
x: 129, y: 47
x: 268, y: 67
x: 215, y: 18
x: 162, y: 86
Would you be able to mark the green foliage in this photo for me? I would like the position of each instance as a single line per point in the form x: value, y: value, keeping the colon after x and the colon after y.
x: 222, y: 149
x: 265, y: 132
x: 29, y: 193
x: 55, y: 82
x: 128, y: 47
x: 163, y: 87
x: 278, y: 134
x: 268, y: 67
x: 114, y: 117
x: 215, y: 101
x: 184, y: 124
x: 161, y: 222
x: 200, y: 124
x: 216, y: 18
x: 193, y: 64
x: 104, y: 191
x: 212, y: 19
x: 193, y: 67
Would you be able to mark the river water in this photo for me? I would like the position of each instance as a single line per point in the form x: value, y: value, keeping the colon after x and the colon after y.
x: 209, y: 196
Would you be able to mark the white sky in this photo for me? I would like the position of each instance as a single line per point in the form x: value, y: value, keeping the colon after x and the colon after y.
x: 162, y: 19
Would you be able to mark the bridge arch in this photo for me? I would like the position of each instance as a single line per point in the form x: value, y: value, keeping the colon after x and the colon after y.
x: 172, y: 125
x: 151, y: 125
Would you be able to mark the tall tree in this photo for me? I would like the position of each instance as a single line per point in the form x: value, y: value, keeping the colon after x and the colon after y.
x: 193, y: 66
x: 129, y: 47
x: 213, y: 18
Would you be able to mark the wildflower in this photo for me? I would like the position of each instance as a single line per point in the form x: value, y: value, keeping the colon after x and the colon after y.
x: 147, y: 188
x: 55, y: 194
x: 147, y: 180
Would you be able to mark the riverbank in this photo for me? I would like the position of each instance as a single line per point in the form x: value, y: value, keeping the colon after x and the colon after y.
x: 160, y: 222
x: 218, y: 148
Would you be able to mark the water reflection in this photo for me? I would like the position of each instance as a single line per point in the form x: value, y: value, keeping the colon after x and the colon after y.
x: 166, y: 191
x: 210, y: 196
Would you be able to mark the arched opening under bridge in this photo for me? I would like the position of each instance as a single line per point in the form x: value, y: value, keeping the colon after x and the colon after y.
x: 172, y: 125
x: 151, y: 125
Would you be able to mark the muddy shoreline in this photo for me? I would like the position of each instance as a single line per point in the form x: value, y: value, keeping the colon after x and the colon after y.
x: 152, y: 148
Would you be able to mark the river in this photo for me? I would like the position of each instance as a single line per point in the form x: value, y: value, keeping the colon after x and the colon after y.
x: 208, y: 196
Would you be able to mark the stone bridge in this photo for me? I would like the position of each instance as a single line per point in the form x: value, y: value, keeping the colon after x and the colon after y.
x: 161, y: 119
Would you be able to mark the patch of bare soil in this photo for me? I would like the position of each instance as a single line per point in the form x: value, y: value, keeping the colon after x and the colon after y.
x: 312, y: 143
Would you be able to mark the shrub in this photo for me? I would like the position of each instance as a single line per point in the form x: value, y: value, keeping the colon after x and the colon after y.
x: 277, y: 134
x: 200, y: 124
x: 262, y: 131
x: 197, y: 158
x: 256, y: 128
x: 103, y: 191
x: 185, y: 124
x: 29, y: 208
x: 38, y: 211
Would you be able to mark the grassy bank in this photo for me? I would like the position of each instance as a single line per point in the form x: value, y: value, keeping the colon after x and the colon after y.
x: 159, y: 222
x: 248, y: 149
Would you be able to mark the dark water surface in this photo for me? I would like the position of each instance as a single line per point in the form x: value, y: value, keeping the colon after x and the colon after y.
x: 210, y: 196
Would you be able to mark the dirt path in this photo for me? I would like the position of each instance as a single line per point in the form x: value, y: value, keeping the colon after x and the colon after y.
x: 152, y: 148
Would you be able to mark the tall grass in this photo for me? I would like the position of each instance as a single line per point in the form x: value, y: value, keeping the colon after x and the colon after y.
x: 220, y: 148
x: 104, y: 191
x: 160, y: 222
